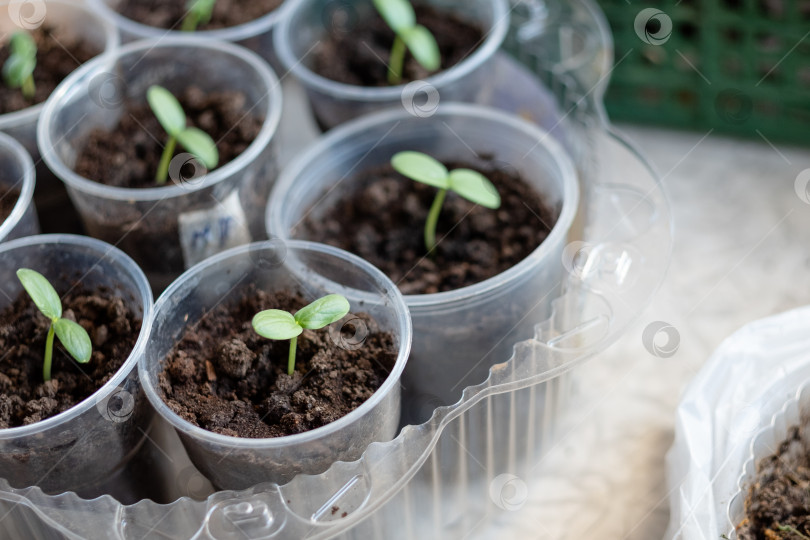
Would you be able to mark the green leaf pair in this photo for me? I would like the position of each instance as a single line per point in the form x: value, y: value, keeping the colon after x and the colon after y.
x: 401, y: 18
x: 18, y: 71
x: 279, y: 325
x: 171, y: 116
x: 72, y: 336
x: 470, y: 184
x: 199, y: 12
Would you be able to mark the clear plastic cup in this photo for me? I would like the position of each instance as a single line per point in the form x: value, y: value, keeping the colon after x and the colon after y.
x: 334, y: 103
x: 256, y: 35
x: 166, y: 229
x: 459, y: 334
x: 84, y: 447
x: 314, y: 270
x: 19, y: 173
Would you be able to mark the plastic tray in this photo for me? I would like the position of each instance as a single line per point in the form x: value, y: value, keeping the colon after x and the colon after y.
x: 435, y: 480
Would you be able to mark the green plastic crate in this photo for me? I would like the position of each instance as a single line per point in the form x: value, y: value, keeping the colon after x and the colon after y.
x: 735, y: 66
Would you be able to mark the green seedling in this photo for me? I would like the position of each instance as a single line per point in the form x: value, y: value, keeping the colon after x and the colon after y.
x: 400, y: 17
x: 278, y: 324
x: 18, y: 71
x: 171, y: 116
x: 471, y: 185
x: 792, y: 531
x: 199, y: 12
x: 72, y: 336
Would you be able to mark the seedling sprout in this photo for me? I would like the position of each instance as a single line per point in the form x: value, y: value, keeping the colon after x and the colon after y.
x: 171, y: 116
x: 279, y: 324
x: 470, y: 184
x: 18, y: 71
x: 401, y: 18
x: 199, y: 12
x: 72, y: 336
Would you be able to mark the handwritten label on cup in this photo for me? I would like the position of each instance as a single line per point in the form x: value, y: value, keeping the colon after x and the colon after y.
x: 207, y: 232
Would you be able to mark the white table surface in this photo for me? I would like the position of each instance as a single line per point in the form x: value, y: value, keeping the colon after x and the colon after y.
x: 741, y: 252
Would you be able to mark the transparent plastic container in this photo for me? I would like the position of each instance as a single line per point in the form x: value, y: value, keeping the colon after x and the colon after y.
x: 166, y: 229
x: 444, y: 478
x: 85, y: 447
x: 18, y: 173
x: 459, y: 334
x: 256, y: 35
x: 334, y: 103
x: 314, y: 270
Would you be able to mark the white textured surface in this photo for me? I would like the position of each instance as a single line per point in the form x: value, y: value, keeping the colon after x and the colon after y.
x: 742, y: 250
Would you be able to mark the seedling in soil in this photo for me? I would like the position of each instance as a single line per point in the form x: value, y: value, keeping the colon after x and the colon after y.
x: 400, y: 17
x: 171, y: 116
x: 72, y: 336
x: 199, y: 12
x: 792, y: 531
x: 471, y: 185
x: 278, y: 324
x: 18, y: 71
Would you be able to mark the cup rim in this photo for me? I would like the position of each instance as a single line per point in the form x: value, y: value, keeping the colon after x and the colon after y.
x: 237, y: 32
x: 570, y: 192
x: 98, y: 189
x: 28, y: 179
x: 30, y: 114
x: 494, y: 37
x: 405, y: 331
x: 116, y: 256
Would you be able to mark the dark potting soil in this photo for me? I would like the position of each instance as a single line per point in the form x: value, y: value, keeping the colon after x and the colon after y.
x: 224, y: 377
x: 8, y: 198
x: 170, y: 13
x: 57, y: 57
x: 778, y: 503
x: 24, y: 397
x: 128, y: 156
x: 357, y: 53
x: 382, y: 219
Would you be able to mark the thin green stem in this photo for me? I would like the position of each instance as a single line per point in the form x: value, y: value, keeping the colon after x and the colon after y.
x: 165, y: 159
x: 190, y: 22
x: 46, y: 366
x: 291, y: 361
x: 433, y: 219
x: 28, y: 88
x: 396, y: 62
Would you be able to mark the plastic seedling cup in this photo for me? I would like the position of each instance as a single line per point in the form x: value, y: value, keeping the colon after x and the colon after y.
x: 83, y: 448
x: 169, y: 228
x: 333, y: 102
x: 458, y: 334
x: 256, y: 35
x: 17, y: 173
x: 314, y: 270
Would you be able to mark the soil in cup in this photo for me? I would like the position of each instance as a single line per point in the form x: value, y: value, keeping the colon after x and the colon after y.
x: 57, y: 56
x: 224, y: 377
x: 381, y: 217
x: 778, y: 503
x: 358, y: 54
x: 8, y: 198
x: 128, y: 155
x: 169, y: 14
x: 24, y: 397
